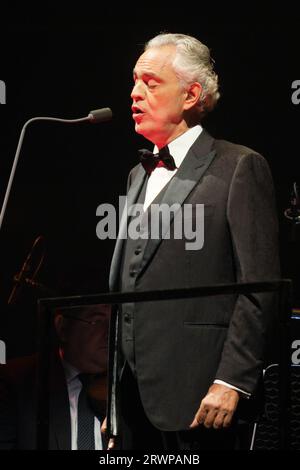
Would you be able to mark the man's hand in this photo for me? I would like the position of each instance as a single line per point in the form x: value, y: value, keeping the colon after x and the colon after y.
x: 111, y: 442
x: 217, y: 407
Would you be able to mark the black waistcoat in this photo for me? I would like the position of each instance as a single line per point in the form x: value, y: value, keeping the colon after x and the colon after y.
x: 133, y: 251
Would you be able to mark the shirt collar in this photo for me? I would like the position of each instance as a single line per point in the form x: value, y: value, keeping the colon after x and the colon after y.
x: 180, y: 146
x: 70, y: 371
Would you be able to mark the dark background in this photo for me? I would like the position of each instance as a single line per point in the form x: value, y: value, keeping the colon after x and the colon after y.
x: 64, y: 62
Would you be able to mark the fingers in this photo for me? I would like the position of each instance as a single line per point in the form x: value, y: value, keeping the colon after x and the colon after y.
x: 195, y: 423
x: 199, y: 417
x: 104, y: 426
x: 217, y: 408
x: 227, y: 420
x: 111, y: 444
x: 209, y: 421
x: 222, y: 420
x: 212, y: 418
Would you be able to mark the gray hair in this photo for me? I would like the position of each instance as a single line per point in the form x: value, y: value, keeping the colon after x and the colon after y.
x: 192, y: 63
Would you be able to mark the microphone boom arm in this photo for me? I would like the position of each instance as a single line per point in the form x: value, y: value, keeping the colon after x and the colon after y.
x: 95, y: 116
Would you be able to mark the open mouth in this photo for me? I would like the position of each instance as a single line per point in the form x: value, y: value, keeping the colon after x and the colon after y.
x: 137, y: 113
x: 136, y: 110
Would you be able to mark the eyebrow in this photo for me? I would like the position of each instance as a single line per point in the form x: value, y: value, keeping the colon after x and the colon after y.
x: 147, y: 74
x: 91, y: 322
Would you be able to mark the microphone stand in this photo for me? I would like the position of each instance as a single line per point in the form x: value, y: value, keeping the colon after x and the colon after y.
x: 15, y: 162
x: 98, y: 115
x: 95, y: 116
x: 26, y: 277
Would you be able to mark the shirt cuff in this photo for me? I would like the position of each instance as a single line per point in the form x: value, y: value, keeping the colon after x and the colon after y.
x: 221, y: 382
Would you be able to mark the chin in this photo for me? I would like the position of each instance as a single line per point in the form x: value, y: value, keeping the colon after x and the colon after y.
x: 138, y: 129
x: 144, y: 132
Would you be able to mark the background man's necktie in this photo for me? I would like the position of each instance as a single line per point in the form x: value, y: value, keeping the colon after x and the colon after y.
x: 85, y: 437
x: 163, y: 158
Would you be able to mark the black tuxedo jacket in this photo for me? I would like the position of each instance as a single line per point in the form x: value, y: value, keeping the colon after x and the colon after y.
x: 18, y: 406
x: 181, y: 346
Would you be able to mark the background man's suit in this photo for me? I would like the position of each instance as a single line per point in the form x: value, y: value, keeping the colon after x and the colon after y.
x: 18, y: 402
x: 180, y: 347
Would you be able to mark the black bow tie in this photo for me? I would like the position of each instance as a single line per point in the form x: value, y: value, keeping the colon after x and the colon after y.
x: 163, y: 158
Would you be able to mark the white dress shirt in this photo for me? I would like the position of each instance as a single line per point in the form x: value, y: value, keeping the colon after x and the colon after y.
x: 74, y: 387
x: 160, y: 176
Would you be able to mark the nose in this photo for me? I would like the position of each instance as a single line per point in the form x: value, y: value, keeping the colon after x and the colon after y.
x: 137, y: 91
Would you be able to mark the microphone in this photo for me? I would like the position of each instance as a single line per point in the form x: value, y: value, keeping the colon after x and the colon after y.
x: 95, y: 116
x: 100, y: 115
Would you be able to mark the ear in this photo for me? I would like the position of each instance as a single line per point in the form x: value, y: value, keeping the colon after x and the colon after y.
x: 60, y: 327
x: 193, y: 94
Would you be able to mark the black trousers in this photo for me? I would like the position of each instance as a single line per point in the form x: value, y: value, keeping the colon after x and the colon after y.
x: 137, y: 432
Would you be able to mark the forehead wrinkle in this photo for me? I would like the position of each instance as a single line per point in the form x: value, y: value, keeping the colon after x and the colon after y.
x: 149, y: 64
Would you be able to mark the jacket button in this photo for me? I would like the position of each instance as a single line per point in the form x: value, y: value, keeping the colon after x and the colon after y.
x: 127, y: 318
x: 132, y: 273
x: 137, y: 251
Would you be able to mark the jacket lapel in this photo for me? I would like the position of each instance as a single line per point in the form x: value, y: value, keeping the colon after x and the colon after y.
x: 130, y: 199
x: 196, y: 162
x: 59, y: 406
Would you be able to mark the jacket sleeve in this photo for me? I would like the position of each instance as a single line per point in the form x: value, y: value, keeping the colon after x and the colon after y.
x: 252, y: 220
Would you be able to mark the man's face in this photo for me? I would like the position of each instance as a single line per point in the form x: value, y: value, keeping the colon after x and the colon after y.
x: 83, y: 333
x: 158, y: 96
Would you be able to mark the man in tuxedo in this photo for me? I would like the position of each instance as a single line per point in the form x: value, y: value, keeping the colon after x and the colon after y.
x: 185, y: 374
x: 77, y: 385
